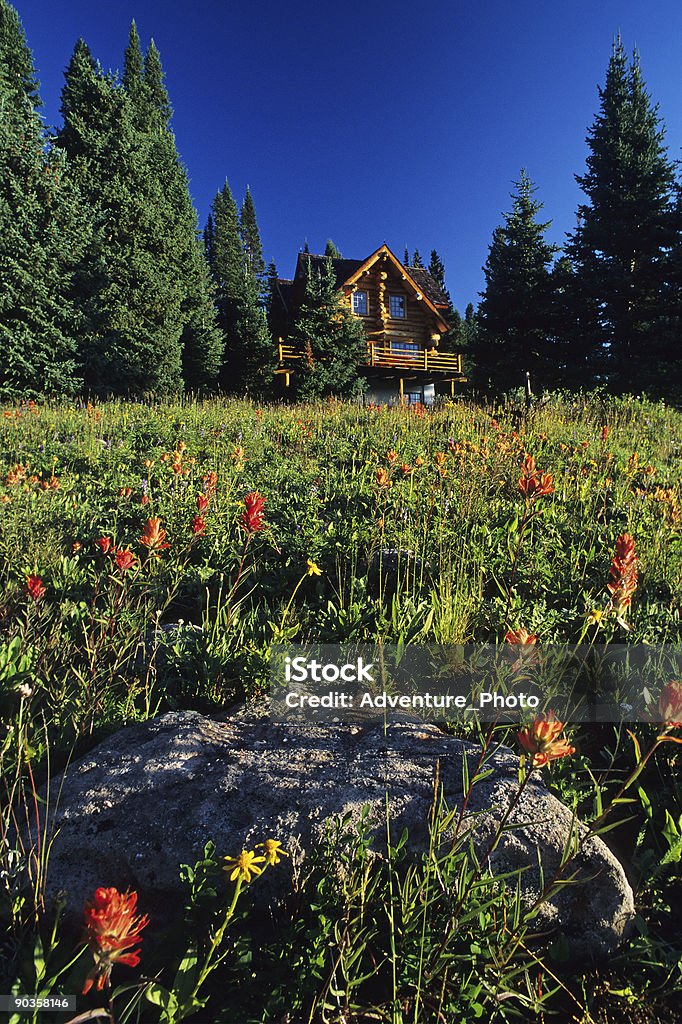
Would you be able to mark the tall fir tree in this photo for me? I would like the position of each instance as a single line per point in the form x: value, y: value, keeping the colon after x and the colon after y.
x: 209, y: 241
x: 201, y: 341
x: 134, y: 298
x: 332, y: 338
x: 250, y: 355
x: 331, y: 250
x: 453, y: 338
x: 43, y: 228
x: 417, y: 261
x: 514, y: 314
x: 620, y: 248
x: 251, y: 242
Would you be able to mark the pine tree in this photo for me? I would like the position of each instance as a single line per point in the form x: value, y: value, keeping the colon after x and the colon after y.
x: 620, y: 247
x: 201, y: 340
x: 251, y: 242
x: 406, y: 258
x: 331, y: 250
x: 226, y: 262
x: 332, y: 338
x: 209, y: 241
x: 133, y: 66
x: 513, y: 318
x: 250, y: 355
x: 417, y: 261
x: 453, y: 338
x: 134, y: 299
x: 43, y: 227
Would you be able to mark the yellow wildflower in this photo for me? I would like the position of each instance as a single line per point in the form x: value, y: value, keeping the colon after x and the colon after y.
x: 244, y: 866
x: 273, y: 851
x: 313, y: 568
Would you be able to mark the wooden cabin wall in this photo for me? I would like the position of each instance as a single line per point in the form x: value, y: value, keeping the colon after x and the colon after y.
x: 419, y: 323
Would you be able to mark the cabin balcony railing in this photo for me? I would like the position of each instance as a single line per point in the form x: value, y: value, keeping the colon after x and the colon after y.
x: 417, y: 359
x: 392, y: 358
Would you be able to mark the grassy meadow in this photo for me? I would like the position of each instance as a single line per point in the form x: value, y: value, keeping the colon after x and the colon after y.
x: 119, y: 519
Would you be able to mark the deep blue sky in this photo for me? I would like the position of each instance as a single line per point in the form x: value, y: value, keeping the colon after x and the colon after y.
x: 371, y: 122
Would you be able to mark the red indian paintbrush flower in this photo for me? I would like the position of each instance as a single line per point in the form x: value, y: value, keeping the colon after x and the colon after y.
x: 35, y: 588
x: 104, y: 544
x: 203, y: 501
x: 124, y: 559
x: 252, y: 516
x: 531, y: 483
x: 541, y: 739
x: 199, y: 525
x: 623, y: 574
x: 112, y: 926
x: 520, y: 636
x: 670, y: 704
x: 210, y: 482
x: 154, y: 538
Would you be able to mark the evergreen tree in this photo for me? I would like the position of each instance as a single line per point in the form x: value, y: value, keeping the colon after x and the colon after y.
x: 250, y: 356
x: 406, y: 258
x: 437, y: 272
x: 626, y: 228
x: 469, y: 338
x: 201, y: 341
x: 332, y: 338
x: 416, y: 259
x: 669, y: 363
x: 251, y: 242
x: 209, y: 241
x: 133, y: 66
x: 513, y: 317
x: 453, y: 338
x: 331, y: 250
x: 134, y: 297
x: 43, y: 228
x: 227, y: 258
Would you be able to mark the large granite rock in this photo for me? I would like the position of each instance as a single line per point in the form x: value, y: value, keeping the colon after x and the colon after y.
x: 147, y: 799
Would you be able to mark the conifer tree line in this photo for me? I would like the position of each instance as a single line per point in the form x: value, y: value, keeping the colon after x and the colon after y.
x: 607, y: 310
x: 105, y: 283
x: 108, y: 287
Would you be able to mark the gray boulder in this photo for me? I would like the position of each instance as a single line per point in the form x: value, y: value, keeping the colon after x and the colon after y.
x: 147, y: 799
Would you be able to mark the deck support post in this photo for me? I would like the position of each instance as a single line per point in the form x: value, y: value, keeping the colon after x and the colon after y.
x: 402, y: 391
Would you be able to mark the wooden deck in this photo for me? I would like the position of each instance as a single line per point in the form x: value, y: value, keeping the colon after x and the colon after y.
x: 448, y: 364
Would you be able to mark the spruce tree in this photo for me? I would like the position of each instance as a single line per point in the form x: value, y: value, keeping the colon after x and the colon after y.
x: 201, y: 340
x: 250, y: 355
x: 43, y: 227
x: 133, y: 344
x: 453, y: 338
x: 406, y: 258
x: 133, y: 66
x: 332, y: 338
x: 417, y: 261
x: 251, y: 242
x: 513, y: 317
x: 209, y: 241
x: 620, y: 248
x: 331, y: 250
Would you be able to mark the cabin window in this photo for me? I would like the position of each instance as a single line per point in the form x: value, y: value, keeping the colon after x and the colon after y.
x: 413, y: 397
x: 360, y: 303
x: 405, y: 347
x: 397, y: 307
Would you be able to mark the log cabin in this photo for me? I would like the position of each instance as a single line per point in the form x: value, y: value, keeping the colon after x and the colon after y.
x: 403, y: 312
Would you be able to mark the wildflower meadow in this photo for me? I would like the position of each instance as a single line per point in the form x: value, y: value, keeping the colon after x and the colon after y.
x: 152, y: 554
